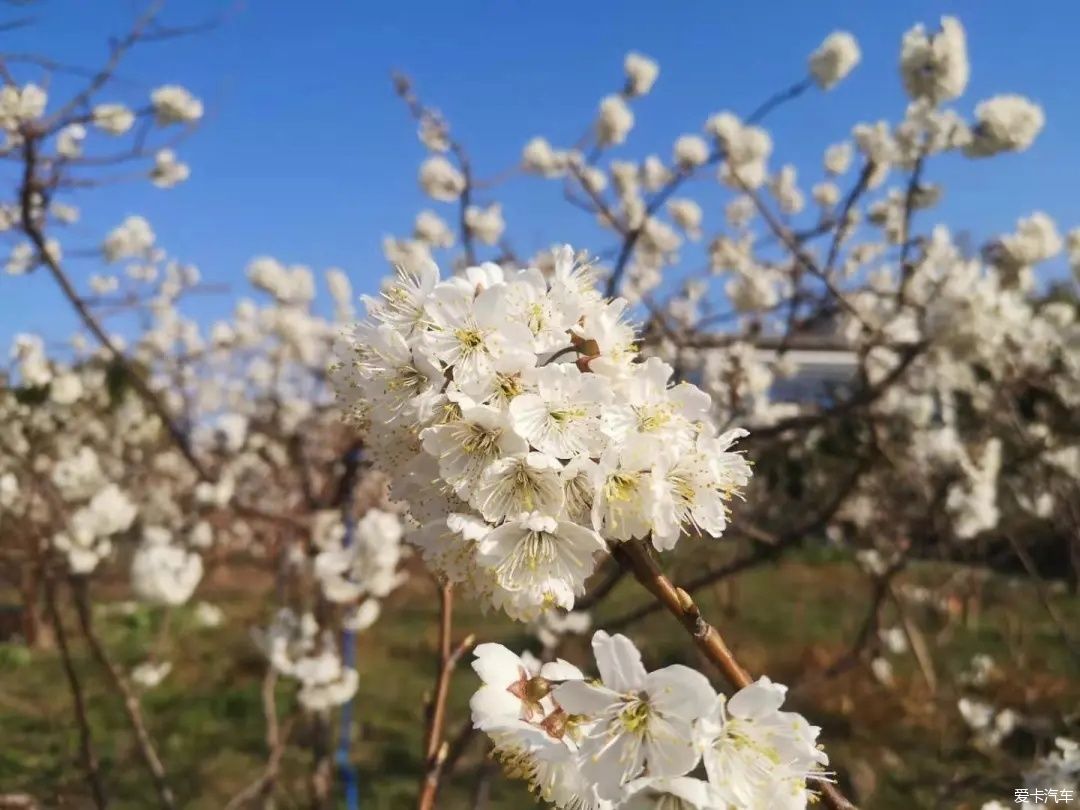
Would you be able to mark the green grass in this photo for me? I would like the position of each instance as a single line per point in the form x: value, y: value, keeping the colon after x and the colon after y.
x: 895, y: 748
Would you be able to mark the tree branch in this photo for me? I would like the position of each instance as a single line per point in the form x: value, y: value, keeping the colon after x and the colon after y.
x: 636, y: 558
x: 131, y: 701
x: 86, y: 742
x: 436, y: 749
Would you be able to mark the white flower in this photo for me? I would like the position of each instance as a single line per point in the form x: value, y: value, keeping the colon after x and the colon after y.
x: 649, y: 414
x: 378, y: 361
x: 784, y: 187
x: 1036, y: 240
x: 687, y: 215
x: 528, y: 482
x: 9, y: 489
x: 838, y: 158
x: 690, y: 151
x: 677, y: 793
x: 746, y: 150
x: 69, y: 141
x: 827, y: 195
x: 486, y: 224
x: 562, y: 417
x: 615, y: 121
x: 404, y: 298
x: 149, y: 674
x: 64, y: 213
x: 440, y: 180
x: 474, y: 334
x: 466, y: 446
x: 368, y: 566
x: 690, y: 490
x: 208, y: 615
x: 162, y: 573
x: 22, y: 258
x: 168, y: 171
x: 362, y: 616
x: 621, y: 505
x: 491, y: 395
x: 1007, y: 123
x: 77, y: 476
x: 546, y: 559
x: 83, y: 549
x: 552, y: 626
x: 882, y: 669
x: 175, y: 105
x: 21, y: 104
x: 133, y: 238
x: 430, y: 228
x: 514, y: 687
x: 109, y: 512
x: 115, y: 119
x: 340, y: 288
x: 324, y: 681
x: 757, y: 756
x: 989, y: 725
x: 834, y: 59
x: 641, y: 73
x: 641, y: 721
x: 65, y: 389
x: 539, y: 158
x: 935, y: 67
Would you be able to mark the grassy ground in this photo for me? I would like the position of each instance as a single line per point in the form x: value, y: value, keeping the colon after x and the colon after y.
x: 896, y: 747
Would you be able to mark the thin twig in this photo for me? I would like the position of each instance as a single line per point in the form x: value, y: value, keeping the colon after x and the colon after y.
x: 915, y: 640
x: 636, y: 557
x: 86, y: 741
x: 276, y: 739
x: 436, y: 749
x: 130, y: 700
x: 770, y: 547
x: 631, y: 238
x: 774, y: 101
x: 843, y: 222
x: 31, y: 225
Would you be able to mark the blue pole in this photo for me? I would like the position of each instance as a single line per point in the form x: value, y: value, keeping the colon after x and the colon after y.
x: 346, y: 770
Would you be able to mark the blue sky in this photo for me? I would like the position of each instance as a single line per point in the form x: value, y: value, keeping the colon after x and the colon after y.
x: 306, y: 155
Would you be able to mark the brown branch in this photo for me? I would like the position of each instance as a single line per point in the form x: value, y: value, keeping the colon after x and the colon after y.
x: 30, y: 188
x: 631, y: 238
x: 882, y: 587
x: 276, y: 740
x: 635, y: 556
x: 843, y: 224
x: 404, y: 89
x: 130, y: 700
x: 801, y: 258
x: 905, y: 232
x: 915, y: 640
x: 116, y: 54
x: 86, y: 742
x: 769, y: 546
x: 436, y: 749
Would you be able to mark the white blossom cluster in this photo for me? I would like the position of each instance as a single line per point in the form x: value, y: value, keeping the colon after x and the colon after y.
x: 513, y: 416
x: 163, y: 572
x: 638, y: 739
x: 297, y: 649
x: 365, y: 571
